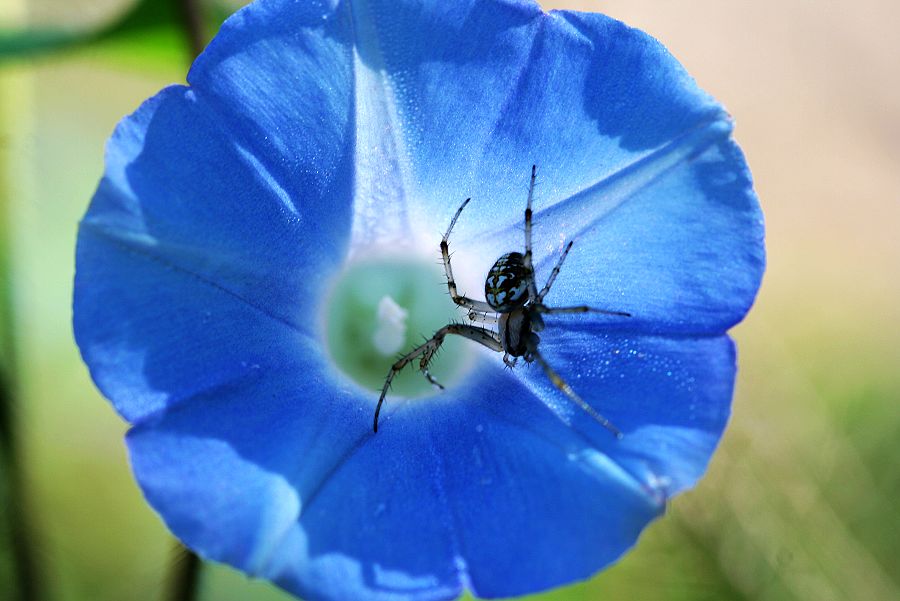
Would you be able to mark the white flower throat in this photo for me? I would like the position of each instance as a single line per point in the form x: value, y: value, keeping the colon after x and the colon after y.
x: 381, y: 308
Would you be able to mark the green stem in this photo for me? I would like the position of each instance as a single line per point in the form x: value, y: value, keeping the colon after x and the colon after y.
x: 22, y: 550
x: 24, y: 569
x: 184, y: 578
x: 192, y: 22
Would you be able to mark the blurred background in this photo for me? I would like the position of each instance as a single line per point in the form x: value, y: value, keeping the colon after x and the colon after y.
x: 799, y: 503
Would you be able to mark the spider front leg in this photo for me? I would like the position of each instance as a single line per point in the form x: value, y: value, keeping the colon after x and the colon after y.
x: 490, y: 319
x: 463, y: 301
x: 427, y: 350
x: 580, y: 309
x: 562, y: 385
x: 529, y: 267
x: 553, y: 274
x: 542, y: 308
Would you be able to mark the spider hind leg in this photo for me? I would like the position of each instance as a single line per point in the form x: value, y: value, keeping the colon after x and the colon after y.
x: 573, y: 396
x: 430, y: 378
x: 426, y: 351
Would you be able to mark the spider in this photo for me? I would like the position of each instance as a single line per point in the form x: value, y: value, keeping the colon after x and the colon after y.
x: 512, y: 303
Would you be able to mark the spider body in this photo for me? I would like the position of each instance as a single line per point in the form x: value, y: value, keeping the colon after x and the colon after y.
x: 506, y: 286
x: 506, y: 291
x: 512, y: 303
x: 516, y: 330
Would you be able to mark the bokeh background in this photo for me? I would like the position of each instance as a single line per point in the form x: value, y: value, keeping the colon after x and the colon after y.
x: 800, y: 502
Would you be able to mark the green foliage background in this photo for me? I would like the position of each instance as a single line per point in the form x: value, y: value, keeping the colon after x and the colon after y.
x: 800, y: 502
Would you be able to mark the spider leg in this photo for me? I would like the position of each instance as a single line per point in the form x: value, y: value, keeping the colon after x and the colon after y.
x: 553, y: 274
x: 459, y: 299
x: 580, y: 309
x: 573, y: 396
x: 529, y: 268
x: 540, y: 307
x: 485, y: 318
x: 431, y: 379
x: 427, y: 350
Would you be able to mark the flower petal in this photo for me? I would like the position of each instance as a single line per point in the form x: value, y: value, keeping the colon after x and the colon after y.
x: 684, y: 256
x: 288, y: 74
x: 634, y: 160
x: 312, y: 127
x: 283, y: 478
x: 451, y: 100
x: 452, y: 491
x: 670, y: 397
x: 194, y: 265
x: 534, y: 503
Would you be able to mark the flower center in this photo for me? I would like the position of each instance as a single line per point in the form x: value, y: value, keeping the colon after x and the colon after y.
x: 380, y: 310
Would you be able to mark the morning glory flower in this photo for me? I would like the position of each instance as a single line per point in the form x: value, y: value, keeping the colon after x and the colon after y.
x: 263, y: 240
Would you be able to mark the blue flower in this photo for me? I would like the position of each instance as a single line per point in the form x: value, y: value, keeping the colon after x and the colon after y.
x: 317, y: 134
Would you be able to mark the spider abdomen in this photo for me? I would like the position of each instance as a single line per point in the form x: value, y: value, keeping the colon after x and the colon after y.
x: 506, y: 286
x: 515, y: 332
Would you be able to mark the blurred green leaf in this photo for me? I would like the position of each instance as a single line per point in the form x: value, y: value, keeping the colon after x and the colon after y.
x: 147, y: 23
x: 32, y: 41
